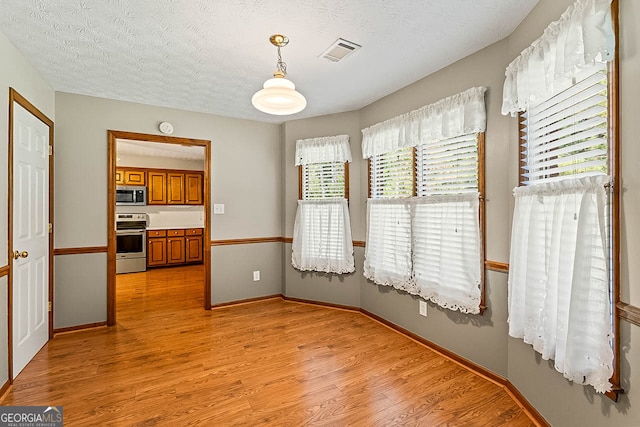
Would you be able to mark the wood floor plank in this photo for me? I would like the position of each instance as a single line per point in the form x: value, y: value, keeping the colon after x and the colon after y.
x: 273, y: 362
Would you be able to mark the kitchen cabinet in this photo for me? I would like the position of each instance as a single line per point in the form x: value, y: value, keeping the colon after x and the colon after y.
x: 193, y: 192
x: 156, y: 248
x: 193, y: 245
x: 174, y: 247
x: 174, y: 187
x: 130, y: 176
x: 156, y: 190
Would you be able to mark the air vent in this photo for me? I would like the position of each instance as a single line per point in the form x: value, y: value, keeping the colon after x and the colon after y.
x: 339, y: 50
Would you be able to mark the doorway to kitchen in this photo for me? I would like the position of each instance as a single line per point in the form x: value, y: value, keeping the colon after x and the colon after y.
x: 161, y: 198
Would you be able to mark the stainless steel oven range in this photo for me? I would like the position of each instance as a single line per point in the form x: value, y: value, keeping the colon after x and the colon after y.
x: 131, y: 242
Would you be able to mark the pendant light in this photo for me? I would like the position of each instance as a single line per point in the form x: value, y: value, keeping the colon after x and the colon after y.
x: 279, y: 95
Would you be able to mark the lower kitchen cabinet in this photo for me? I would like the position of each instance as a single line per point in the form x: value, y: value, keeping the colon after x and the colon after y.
x: 156, y: 248
x: 193, y: 245
x: 174, y: 247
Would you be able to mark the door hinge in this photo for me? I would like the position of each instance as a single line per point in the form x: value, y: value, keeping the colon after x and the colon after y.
x: 51, y: 150
x: 50, y: 307
x: 50, y: 228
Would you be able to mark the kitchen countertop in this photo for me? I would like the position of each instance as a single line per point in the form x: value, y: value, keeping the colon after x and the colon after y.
x: 173, y: 227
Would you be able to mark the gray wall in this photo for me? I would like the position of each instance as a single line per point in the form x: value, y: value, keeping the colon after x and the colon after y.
x: 335, y: 289
x: 15, y: 72
x: 254, y: 176
x: 245, y: 176
x: 484, y: 339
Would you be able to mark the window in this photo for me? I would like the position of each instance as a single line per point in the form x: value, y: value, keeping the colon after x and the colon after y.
x: 424, y: 211
x: 566, y: 135
x: 561, y: 288
x: 322, y: 232
x: 392, y: 174
x: 324, y: 180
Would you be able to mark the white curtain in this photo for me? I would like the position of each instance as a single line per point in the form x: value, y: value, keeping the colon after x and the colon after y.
x: 582, y: 36
x: 447, y: 255
x: 559, y: 298
x: 322, y: 237
x: 322, y: 230
x: 388, y: 251
x: 323, y: 149
x: 460, y: 114
x: 427, y: 246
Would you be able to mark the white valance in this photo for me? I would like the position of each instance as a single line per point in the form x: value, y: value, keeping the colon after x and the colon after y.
x: 460, y: 114
x: 582, y: 36
x: 323, y: 149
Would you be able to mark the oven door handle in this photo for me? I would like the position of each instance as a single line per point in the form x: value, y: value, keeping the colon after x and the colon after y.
x: 129, y: 232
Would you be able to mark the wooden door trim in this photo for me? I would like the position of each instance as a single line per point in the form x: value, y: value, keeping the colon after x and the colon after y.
x: 112, y: 136
x: 15, y: 96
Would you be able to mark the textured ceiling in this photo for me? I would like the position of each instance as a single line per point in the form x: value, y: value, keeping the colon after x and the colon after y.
x: 212, y: 55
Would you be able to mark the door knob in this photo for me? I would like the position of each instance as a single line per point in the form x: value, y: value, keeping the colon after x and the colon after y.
x: 22, y: 254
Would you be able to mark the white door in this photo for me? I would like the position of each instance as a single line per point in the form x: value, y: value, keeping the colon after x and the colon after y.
x: 30, y: 236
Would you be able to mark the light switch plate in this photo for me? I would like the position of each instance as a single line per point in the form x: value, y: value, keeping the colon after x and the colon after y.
x: 218, y: 209
x: 256, y: 275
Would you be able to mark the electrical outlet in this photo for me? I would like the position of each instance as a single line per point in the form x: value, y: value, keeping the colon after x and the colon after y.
x: 256, y: 275
x: 218, y: 209
x: 423, y: 308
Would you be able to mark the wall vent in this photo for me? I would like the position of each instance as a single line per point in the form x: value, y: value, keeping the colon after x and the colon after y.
x: 339, y: 50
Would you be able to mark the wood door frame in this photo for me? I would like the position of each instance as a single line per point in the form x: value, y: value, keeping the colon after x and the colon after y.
x: 112, y: 137
x: 15, y: 96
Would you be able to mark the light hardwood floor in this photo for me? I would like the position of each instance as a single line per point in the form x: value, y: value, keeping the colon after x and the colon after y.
x: 169, y: 362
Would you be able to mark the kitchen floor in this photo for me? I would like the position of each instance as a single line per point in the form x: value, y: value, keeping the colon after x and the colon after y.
x: 157, y: 289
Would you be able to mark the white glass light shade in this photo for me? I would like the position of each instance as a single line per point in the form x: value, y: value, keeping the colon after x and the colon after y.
x: 279, y: 97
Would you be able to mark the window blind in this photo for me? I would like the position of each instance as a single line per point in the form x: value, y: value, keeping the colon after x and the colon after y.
x: 566, y: 135
x: 449, y: 166
x: 392, y: 174
x: 323, y: 180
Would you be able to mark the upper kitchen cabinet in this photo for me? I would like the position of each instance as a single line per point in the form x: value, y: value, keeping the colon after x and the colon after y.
x: 173, y: 187
x: 157, y: 188
x: 193, y: 193
x: 128, y: 176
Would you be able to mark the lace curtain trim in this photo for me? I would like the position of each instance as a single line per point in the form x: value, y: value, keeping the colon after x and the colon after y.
x: 582, y: 36
x: 413, y: 288
x: 460, y: 114
x: 323, y: 149
x: 566, y: 186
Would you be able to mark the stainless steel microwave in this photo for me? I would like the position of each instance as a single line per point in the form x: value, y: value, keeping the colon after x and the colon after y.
x: 130, y: 195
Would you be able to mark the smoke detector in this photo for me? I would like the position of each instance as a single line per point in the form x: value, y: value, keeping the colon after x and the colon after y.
x: 339, y: 50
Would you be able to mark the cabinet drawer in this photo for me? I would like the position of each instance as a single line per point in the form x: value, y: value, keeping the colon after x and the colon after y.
x: 172, y: 233
x: 157, y: 233
x: 194, y: 231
